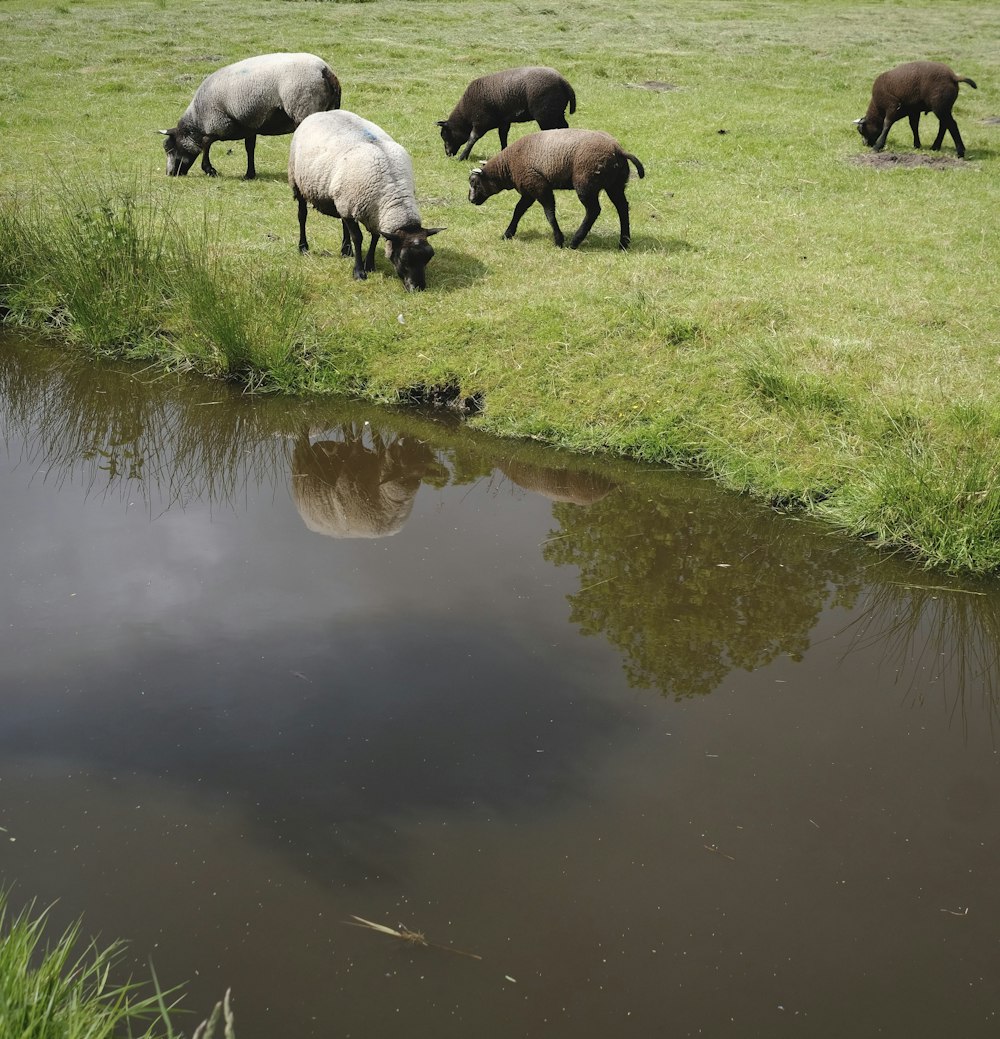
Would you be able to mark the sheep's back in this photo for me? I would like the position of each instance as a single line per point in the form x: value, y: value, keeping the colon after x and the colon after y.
x: 561, y: 156
x: 356, y: 164
x: 515, y: 89
x: 914, y: 82
x: 247, y: 91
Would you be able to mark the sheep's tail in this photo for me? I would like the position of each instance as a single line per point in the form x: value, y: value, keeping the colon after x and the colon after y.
x: 572, y: 99
x: 334, y: 84
x: 639, y: 168
x: 965, y: 79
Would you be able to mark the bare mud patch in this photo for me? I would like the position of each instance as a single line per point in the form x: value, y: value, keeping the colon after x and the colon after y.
x: 653, y: 84
x: 908, y: 160
x: 991, y: 120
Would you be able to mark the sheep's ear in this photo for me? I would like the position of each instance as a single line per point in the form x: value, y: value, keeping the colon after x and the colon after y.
x: 858, y: 122
x: 434, y: 230
x: 166, y: 133
x: 442, y: 122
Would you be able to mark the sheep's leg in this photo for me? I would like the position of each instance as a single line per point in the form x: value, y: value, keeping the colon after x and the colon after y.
x: 621, y: 204
x: 251, y: 146
x: 345, y: 241
x: 206, y: 162
x: 887, y: 122
x: 593, y: 208
x: 473, y: 137
x: 359, y: 262
x: 956, y: 137
x: 915, y: 127
x: 524, y: 203
x: 303, y: 212
x: 548, y: 201
x: 370, y: 258
x: 503, y: 129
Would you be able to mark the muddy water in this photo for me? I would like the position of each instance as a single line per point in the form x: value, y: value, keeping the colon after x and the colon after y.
x: 670, y: 763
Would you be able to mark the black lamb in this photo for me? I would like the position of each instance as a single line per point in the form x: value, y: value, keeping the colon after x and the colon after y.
x: 907, y: 91
x: 512, y: 96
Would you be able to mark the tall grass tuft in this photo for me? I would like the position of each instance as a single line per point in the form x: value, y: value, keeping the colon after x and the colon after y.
x: 114, y: 274
x: 52, y: 991
x: 243, y: 325
x: 93, y: 268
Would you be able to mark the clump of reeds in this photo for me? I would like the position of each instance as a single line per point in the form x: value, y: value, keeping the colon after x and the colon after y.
x: 55, y: 990
x: 107, y: 268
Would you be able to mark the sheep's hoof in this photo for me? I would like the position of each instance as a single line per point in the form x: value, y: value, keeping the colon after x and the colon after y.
x: 212, y: 171
x: 304, y: 249
x: 624, y: 244
x: 249, y: 176
x: 346, y: 250
x: 359, y: 275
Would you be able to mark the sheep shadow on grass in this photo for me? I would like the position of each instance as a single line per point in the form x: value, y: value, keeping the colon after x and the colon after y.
x: 606, y: 242
x: 450, y: 269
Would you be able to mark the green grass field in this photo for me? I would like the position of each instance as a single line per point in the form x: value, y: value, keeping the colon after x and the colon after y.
x: 805, y: 326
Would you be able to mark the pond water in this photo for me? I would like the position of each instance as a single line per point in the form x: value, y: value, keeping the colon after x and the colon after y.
x: 669, y: 762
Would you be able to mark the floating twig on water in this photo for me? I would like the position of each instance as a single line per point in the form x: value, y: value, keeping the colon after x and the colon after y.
x: 404, y: 933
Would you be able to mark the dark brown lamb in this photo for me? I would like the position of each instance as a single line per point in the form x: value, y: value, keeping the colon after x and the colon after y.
x: 588, y: 161
x: 512, y: 96
x: 907, y: 91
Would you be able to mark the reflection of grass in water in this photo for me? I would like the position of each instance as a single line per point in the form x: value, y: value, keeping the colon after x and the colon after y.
x: 949, y: 634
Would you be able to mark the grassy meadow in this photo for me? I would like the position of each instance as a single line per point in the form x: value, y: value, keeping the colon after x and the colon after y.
x: 803, y: 325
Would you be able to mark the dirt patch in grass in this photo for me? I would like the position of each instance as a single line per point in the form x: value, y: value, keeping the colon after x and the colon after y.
x: 908, y: 160
x: 653, y: 84
x: 991, y: 120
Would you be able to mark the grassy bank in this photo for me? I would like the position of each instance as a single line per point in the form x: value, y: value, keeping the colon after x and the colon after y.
x: 804, y: 326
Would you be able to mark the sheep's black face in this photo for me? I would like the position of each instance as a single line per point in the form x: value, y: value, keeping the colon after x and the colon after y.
x: 180, y: 157
x: 869, y: 131
x: 480, y: 188
x: 410, y: 252
x: 453, y: 140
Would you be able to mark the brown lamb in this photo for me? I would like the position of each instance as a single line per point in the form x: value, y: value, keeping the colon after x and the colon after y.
x: 907, y: 91
x: 512, y: 96
x: 588, y: 161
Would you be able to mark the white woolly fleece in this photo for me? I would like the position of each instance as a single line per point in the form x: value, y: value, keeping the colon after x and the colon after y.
x: 339, y: 156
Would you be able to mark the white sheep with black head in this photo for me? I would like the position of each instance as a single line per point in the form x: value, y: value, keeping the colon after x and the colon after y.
x: 347, y: 167
x: 267, y: 95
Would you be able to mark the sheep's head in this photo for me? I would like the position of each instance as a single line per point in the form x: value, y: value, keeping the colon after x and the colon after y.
x: 410, y: 252
x: 181, y: 149
x: 868, y: 129
x: 453, y: 138
x: 481, y: 187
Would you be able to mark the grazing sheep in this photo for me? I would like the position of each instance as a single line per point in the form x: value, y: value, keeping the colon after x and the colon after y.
x: 267, y: 95
x: 538, y: 163
x: 512, y: 96
x: 350, y: 168
x: 908, y: 90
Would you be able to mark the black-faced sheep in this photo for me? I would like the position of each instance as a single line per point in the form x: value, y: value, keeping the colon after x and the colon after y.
x: 907, y: 91
x: 539, y: 163
x: 267, y: 95
x: 350, y: 168
x: 512, y: 96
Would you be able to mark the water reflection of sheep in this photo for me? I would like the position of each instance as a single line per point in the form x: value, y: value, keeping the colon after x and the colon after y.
x: 576, y: 486
x: 360, y: 485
